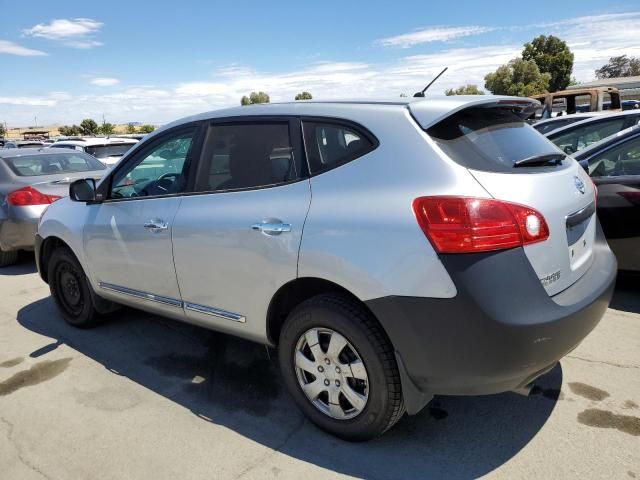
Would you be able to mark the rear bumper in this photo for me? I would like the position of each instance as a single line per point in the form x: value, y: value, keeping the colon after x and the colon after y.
x: 500, y: 332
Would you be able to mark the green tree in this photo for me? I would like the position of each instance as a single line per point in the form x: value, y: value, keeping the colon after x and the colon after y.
x: 518, y: 77
x: 147, y: 128
x: 69, y: 131
x: 552, y: 56
x: 88, y: 127
x: 468, y: 89
x: 254, y: 97
x: 304, y: 96
x: 130, y: 128
x: 106, y: 128
x: 621, y: 66
x: 3, y: 131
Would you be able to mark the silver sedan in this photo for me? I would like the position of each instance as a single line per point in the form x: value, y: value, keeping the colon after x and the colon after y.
x: 30, y: 180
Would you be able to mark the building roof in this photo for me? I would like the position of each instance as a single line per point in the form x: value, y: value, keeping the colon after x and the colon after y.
x: 620, y: 82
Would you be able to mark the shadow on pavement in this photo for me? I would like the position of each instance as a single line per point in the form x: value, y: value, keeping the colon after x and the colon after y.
x: 231, y: 382
x: 26, y: 264
x: 627, y: 294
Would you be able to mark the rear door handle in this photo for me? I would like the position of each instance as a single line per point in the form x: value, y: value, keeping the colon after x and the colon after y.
x: 272, y: 228
x: 155, y: 226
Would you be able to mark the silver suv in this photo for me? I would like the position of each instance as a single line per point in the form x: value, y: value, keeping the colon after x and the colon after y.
x: 390, y: 250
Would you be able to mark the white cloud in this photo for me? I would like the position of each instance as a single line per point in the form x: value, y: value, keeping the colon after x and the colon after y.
x: 72, y: 32
x: 104, y: 81
x: 593, y: 39
x: 11, y: 48
x: 432, y: 34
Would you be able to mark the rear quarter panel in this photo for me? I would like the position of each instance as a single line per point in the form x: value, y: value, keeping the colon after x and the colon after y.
x: 361, y: 232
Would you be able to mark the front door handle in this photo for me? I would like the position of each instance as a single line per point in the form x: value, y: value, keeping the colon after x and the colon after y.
x: 155, y: 226
x: 272, y: 228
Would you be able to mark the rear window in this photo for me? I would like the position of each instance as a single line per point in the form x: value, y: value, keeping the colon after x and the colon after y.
x: 489, y: 139
x: 55, y: 163
x: 104, y: 151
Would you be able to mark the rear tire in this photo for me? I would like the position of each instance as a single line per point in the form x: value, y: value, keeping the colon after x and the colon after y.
x: 8, y: 258
x: 362, y: 360
x: 70, y: 289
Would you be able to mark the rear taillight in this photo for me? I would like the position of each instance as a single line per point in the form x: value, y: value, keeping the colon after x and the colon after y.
x: 28, y: 196
x: 467, y: 224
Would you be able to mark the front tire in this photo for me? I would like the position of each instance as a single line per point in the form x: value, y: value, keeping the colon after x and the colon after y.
x: 70, y: 289
x: 340, y: 368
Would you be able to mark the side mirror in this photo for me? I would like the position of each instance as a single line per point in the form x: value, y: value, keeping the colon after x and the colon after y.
x: 83, y: 190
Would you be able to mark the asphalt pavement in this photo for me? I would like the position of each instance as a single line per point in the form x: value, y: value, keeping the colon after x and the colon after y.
x: 149, y: 398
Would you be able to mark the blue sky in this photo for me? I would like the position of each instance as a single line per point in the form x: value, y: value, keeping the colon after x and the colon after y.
x: 154, y: 62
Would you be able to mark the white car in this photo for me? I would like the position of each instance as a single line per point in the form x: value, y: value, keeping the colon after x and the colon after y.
x: 106, y: 149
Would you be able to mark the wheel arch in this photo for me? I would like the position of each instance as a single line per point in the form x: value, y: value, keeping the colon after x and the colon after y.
x: 293, y: 293
x: 48, y: 246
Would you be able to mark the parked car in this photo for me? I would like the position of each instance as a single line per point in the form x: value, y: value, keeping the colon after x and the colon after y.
x: 22, y: 144
x: 614, y: 166
x: 551, y: 124
x: 392, y: 251
x: 30, y: 180
x: 579, y: 135
x: 630, y: 104
x: 107, y: 150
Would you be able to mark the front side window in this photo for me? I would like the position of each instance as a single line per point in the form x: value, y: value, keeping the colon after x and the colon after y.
x: 621, y: 160
x: 329, y: 145
x: 248, y: 155
x: 584, y: 135
x: 159, y: 170
x: 52, y: 164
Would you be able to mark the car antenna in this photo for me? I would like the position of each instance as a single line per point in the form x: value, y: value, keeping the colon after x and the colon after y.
x: 421, y: 93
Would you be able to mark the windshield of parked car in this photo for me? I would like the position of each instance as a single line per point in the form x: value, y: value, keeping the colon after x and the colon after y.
x: 55, y: 163
x: 489, y: 139
x: 104, y: 151
x: 581, y: 136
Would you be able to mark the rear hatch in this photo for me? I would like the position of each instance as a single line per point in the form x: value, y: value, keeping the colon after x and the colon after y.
x: 515, y: 163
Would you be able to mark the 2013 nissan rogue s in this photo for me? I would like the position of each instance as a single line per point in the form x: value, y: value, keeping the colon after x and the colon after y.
x: 390, y: 250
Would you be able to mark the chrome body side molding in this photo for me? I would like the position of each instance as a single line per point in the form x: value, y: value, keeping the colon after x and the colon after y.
x: 216, y: 312
x: 194, y: 307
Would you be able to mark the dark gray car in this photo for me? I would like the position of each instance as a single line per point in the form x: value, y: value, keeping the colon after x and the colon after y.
x: 30, y: 180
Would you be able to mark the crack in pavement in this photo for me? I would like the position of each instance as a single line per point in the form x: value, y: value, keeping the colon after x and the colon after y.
x: 19, y: 451
x: 602, y: 362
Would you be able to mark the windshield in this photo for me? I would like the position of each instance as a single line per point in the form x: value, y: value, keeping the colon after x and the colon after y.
x: 489, y: 139
x: 575, y: 138
x: 52, y: 164
x: 104, y: 151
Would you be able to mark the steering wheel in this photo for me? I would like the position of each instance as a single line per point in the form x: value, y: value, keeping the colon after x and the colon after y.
x: 173, y: 175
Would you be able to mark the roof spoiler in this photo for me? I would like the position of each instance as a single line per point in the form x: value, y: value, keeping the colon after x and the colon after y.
x: 428, y: 113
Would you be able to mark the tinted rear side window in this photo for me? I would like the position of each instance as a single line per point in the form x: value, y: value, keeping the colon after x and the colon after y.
x: 329, y: 145
x: 248, y: 155
x: 488, y: 139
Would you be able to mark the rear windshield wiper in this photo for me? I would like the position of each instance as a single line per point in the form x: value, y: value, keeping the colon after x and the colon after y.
x: 540, y: 160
